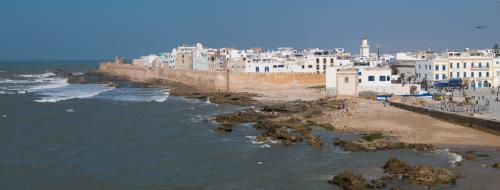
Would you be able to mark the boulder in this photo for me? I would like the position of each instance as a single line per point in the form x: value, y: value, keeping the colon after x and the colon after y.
x: 315, y: 141
x: 349, y: 181
x: 395, y: 166
x: 62, y: 73
x: 225, y: 127
x: 428, y: 176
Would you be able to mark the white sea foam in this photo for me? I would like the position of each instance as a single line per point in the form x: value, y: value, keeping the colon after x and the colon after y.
x: 253, y: 141
x: 43, y: 75
x: 453, y: 158
x: 76, y: 91
x: 136, y: 95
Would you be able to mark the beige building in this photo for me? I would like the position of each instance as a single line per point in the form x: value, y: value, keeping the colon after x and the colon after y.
x: 184, y: 61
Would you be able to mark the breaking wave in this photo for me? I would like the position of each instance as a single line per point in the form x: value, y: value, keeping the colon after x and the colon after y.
x: 51, y: 89
x: 136, y: 95
x: 76, y: 91
x: 43, y: 75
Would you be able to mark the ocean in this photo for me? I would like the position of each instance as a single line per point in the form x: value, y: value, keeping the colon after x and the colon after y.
x: 55, y: 135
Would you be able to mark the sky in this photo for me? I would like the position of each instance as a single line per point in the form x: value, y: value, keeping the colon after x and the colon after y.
x: 103, y: 29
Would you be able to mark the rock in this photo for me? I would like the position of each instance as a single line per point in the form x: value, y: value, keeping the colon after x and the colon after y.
x: 420, y: 174
x: 381, y: 144
x: 327, y: 126
x: 62, y: 73
x: 396, y: 188
x: 349, y: 181
x: 469, y: 155
x: 261, y: 138
x: 78, y: 79
x: 496, y: 165
x: 242, y: 117
x: 395, y: 166
x: 425, y: 175
x: 225, y: 127
x: 315, y: 141
x: 373, y: 136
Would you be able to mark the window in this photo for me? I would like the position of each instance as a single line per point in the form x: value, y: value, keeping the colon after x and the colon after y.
x: 436, y: 77
x: 256, y: 69
x: 471, y: 74
x: 382, y: 78
x: 317, y: 60
x: 480, y: 74
x: 444, y: 67
x: 324, y: 60
x: 487, y: 65
x: 359, y: 80
x: 317, y: 67
x: 371, y: 78
x: 443, y: 76
x: 419, y: 66
x: 480, y: 65
x: 310, y: 66
x: 465, y: 74
x: 465, y: 65
x: 324, y: 67
x: 471, y: 64
x: 388, y: 78
x: 458, y: 74
x: 451, y: 75
x: 498, y: 73
x: 458, y: 65
x: 303, y: 66
x: 498, y: 62
x: 487, y: 74
x: 359, y: 73
x: 425, y: 67
x: 331, y: 60
x: 346, y: 79
x: 451, y: 65
x: 436, y: 67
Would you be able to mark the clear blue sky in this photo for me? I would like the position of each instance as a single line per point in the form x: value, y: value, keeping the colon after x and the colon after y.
x: 102, y: 29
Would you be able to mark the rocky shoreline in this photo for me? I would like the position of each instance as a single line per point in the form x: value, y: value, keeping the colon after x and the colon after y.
x: 291, y: 123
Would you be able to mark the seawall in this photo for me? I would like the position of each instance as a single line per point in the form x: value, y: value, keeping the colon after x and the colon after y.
x: 486, y: 125
x: 216, y: 80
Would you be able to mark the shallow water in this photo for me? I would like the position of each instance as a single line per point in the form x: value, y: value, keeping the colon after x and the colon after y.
x: 96, y: 137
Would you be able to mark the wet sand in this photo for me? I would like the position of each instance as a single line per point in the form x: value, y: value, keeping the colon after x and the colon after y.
x: 410, y: 127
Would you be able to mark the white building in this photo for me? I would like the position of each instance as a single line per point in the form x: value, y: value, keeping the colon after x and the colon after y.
x: 474, y: 67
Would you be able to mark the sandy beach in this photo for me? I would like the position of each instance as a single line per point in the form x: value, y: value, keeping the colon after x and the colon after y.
x: 412, y: 127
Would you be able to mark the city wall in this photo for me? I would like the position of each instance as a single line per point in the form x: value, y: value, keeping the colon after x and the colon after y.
x: 216, y: 80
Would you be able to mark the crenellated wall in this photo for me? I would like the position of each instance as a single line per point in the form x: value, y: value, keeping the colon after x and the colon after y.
x: 216, y: 80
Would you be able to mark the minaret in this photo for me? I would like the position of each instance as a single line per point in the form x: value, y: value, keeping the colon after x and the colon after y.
x: 364, y: 50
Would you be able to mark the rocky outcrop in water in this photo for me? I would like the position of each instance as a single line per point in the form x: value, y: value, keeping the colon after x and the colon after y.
x: 362, y: 145
x: 396, y: 170
x: 496, y: 165
x: 290, y: 122
x: 350, y: 181
x: 420, y: 174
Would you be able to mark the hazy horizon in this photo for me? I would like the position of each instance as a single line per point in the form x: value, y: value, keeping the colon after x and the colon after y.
x: 95, y: 30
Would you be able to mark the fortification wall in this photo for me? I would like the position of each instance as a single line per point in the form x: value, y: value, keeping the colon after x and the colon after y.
x: 216, y: 80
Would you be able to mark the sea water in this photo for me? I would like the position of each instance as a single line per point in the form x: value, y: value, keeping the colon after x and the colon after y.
x: 55, y: 135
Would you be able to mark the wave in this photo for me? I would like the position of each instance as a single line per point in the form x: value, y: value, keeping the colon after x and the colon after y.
x: 43, y: 75
x: 136, y: 95
x: 76, y: 91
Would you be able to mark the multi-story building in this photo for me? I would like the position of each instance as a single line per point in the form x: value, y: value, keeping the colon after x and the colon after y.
x: 472, y: 66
